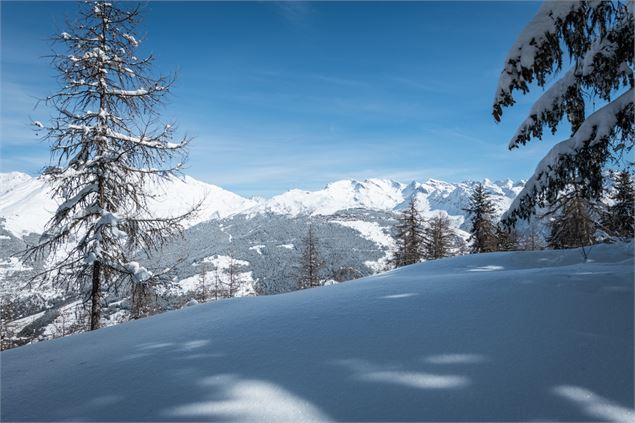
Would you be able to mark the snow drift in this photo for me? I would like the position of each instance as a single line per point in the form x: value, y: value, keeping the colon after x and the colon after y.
x: 502, y: 336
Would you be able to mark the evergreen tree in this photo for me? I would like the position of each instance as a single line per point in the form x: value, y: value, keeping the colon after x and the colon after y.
x: 595, y: 39
x: 531, y: 239
x: 233, y: 276
x: 218, y: 291
x: 507, y: 238
x: 409, y: 237
x: 7, y: 315
x: 438, y: 237
x: 311, y: 262
x: 202, y: 290
x: 620, y: 219
x: 483, y: 230
x: 105, y: 146
x: 572, y: 221
x: 143, y: 300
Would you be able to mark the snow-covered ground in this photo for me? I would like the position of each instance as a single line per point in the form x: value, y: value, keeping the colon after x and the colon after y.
x: 214, y: 271
x: 503, y: 336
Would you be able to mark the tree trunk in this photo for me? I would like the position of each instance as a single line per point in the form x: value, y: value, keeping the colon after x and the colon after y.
x: 95, y: 310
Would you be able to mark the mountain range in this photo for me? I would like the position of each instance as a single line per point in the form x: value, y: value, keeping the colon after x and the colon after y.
x: 263, y: 238
x: 26, y: 203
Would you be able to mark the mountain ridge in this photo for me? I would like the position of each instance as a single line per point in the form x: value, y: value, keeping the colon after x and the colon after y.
x: 26, y: 205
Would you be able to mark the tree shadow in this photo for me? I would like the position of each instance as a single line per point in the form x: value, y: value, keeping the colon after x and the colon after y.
x: 340, y: 360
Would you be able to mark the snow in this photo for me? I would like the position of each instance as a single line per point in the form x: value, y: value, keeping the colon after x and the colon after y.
x: 139, y: 273
x: 129, y: 93
x: 594, y: 129
x: 26, y: 205
x: 131, y: 39
x: 220, y: 265
x: 522, y: 55
x: 25, y: 202
x: 543, y: 108
x: 382, y: 195
x: 373, y: 232
x: 257, y: 248
x: 376, y: 194
x: 19, y: 324
x: 10, y: 266
x: 545, y: 337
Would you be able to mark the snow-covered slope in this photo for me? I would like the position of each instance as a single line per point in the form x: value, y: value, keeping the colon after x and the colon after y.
x: 375, y: 194
x: 506, y: 336
x: 26, y: 204
x: 386, y: 195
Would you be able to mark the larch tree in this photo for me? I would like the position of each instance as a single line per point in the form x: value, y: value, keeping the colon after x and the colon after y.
x: 105, y: 144
x: 579, y: 52
x: 202, y: 290
x: 573, y: 220
x: 409, y: 236
x: 620, y: 215
x: 311, y: 262
x: 507, y: 238
x: 531, y: 238
x: 481, y: 212
x: 233, y: 276
x: 438, y: 237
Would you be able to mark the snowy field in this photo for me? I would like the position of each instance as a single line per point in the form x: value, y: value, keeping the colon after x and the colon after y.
x: 520, y: 336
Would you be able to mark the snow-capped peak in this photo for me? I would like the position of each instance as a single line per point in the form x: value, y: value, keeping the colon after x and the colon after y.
x: 26, y: 203
x: 376, y: 194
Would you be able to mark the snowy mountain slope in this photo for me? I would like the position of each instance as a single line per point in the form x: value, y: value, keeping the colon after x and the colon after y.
x: 386, y: 195
x: 374, y: 194
x: 504, y: 336
x: 354, y: 237
x: 26, y: 205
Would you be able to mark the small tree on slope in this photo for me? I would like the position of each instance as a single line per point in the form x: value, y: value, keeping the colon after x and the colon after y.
x: 597, y: 39
x: 573, y: 223
x: 105, y: 147
x: 620, y: 218
x: 483, y: 230
x: 438, y: 237
x: 311, y: 262
x: 409, y: 237
x: 507, y: 238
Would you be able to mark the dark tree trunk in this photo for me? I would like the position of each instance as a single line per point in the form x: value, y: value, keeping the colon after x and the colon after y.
x: 95, y: 294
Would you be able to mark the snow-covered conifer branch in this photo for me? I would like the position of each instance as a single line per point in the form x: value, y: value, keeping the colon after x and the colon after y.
x: 594, y: 39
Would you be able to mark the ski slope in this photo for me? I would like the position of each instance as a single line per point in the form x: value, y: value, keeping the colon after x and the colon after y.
x: 502, y: 336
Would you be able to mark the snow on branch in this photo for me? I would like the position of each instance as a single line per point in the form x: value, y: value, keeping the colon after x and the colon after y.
x: 153, y: 142
x: 598, y: 127
x: 72, y: 202
x: 547, y: 110
x: 535, y: 52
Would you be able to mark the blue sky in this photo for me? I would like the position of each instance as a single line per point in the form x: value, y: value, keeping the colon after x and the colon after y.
x: 284, y: 95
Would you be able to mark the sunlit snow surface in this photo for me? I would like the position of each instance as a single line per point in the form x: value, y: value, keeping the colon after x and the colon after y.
x: 529, y: 336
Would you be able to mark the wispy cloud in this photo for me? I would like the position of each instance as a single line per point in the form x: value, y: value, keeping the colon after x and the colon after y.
x: 18, y: 108
x: 296, y: 12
